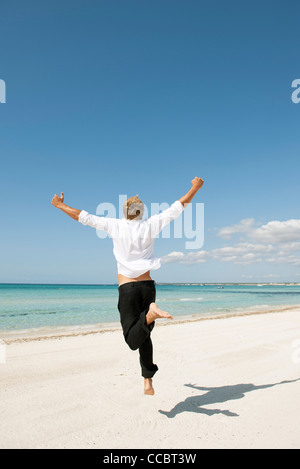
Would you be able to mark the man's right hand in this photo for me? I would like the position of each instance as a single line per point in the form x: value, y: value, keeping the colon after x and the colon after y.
x: 56, y: 201
x: 197, y: 183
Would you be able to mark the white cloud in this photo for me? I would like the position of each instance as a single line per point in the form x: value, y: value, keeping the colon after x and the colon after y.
x: 275, y: 242
x: 278, y: 232
x: 173, y: 257
x: 242, y: 253
x: 244, y: 226
x: 288, y: 259
x: 272, y: 232
x: 189, y: 258
x: 196, y: 257
x: 288, y: 247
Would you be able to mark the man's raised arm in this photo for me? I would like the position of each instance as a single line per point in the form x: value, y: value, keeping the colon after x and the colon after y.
x: 197, y: 183
x: 59, y: 203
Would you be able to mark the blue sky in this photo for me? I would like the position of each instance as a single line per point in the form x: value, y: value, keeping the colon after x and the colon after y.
x: 137, y: 97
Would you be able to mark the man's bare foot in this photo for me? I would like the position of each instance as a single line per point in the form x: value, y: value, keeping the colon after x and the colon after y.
x: 148, y: 388
x: 156, y: 313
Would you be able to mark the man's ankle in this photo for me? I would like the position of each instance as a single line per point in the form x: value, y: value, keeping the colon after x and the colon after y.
x: 149, y: 318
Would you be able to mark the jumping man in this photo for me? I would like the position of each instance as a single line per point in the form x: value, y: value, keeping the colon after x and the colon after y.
x: 133, y: 241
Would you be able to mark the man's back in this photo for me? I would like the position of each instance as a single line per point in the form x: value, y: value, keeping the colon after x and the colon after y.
x: 133, y: 239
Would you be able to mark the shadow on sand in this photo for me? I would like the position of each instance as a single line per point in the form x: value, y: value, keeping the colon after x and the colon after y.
x: 216, y: 396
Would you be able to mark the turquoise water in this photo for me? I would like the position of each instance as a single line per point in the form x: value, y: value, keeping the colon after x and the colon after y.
x: 35, y: 306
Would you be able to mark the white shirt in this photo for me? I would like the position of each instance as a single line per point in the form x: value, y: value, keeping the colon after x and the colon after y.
x: 133, y: 240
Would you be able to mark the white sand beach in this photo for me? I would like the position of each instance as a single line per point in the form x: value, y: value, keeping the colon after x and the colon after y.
x: 222, y: 383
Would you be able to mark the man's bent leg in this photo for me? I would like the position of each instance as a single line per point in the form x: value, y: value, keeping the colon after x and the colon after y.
x: 136, y: 297
x: 139, y: 332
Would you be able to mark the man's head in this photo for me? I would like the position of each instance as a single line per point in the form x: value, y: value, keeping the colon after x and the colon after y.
x: 133, y: 208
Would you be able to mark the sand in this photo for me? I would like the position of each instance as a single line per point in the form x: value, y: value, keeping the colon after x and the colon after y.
x: 224, y: 383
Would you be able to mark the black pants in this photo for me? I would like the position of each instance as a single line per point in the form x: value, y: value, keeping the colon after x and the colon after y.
x: 133, y: 305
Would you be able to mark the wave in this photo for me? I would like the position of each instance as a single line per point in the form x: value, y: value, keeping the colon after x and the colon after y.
x: 8, y: 315
x: 12, y: 315
x: 160, y: 300
x: 190, y: 299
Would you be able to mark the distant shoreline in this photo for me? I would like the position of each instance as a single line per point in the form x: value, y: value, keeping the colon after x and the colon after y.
x: 286, y: 284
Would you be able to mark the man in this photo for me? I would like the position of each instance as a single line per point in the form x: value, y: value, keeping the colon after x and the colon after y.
x: 133, y: 240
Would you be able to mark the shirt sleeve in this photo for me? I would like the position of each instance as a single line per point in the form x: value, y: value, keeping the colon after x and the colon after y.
x: 100, y: 223
x: 158, y: 222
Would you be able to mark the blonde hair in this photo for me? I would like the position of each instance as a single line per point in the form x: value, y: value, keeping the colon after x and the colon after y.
x: 133, y: 208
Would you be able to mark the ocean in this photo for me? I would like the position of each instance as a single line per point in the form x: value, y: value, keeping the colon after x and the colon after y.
x: 39, y: 306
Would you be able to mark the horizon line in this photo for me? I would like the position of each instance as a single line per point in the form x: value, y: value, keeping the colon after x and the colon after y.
x: 157, y: 283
